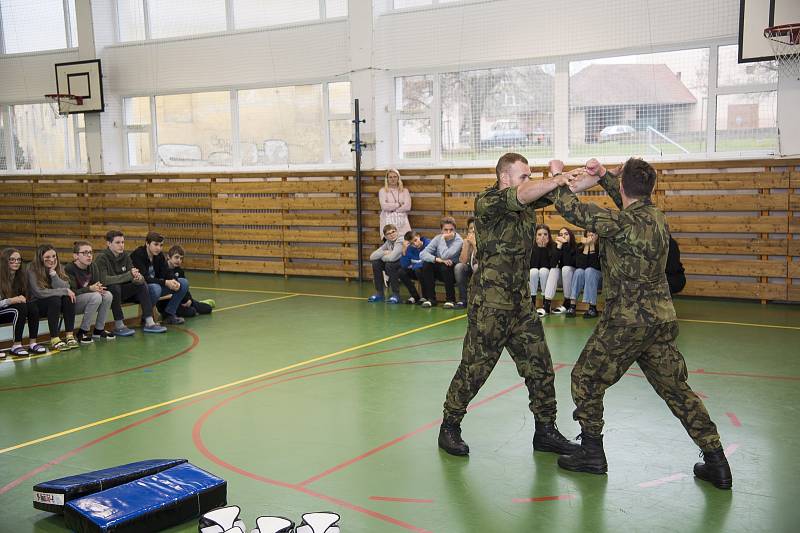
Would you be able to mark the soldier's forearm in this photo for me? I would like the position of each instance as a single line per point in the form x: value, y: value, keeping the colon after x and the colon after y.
x: 530, y: 191
x: 610, y: 183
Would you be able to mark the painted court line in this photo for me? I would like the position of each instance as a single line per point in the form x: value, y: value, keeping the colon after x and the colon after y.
x: 254, y: 303
x: 544, y: 498
x: 225, y: 386
x: 738, y: 324
x: 400, y: 500
x: 282, y: 292
x: 734, y: 419
x: 662, y: 481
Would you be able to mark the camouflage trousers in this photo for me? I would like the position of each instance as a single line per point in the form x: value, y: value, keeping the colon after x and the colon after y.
x: 488, y: 332
x: 608, y: 354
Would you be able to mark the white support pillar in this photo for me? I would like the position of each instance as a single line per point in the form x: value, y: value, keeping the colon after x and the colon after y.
x: 788, y: 115
x: 561, y: 111
x: 361, y: 77
x: 87, y: 50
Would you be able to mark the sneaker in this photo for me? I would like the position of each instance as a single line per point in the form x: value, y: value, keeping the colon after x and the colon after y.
x: 155, y: 328
x: 560, y: 309
x: 375, y: 298
x: 426, y: 303
x: 84, y: 337
x: 103, y: 334
x: 411, y: 300
x: 124, y: 332
x: 211, y: 303
x: 541, y: 311
x: 591, y: 313
x: 71, y: 343
x: 173, y: 320
x: 394, y: 299
x: 570, y: 312
x: 460, y: 305
x: 449, y: 305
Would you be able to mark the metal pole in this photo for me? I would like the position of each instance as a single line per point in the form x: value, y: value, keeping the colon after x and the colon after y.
x: 357, y: 145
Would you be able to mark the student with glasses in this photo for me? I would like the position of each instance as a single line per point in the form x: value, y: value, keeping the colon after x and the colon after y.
x: 49, y: 293
x: 14, y: 304
x: 91, y: 297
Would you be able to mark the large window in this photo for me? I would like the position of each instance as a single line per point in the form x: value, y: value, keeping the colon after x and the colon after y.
x: 33, y: 137
x: 155, y: 19
x: 278, y: 126
x: 37, y: 25
x: 648, y: 104
x: 414, y: 112
x: 747, y: 102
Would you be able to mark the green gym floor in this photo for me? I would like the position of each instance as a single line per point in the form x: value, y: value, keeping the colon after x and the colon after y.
x: 304, y: 397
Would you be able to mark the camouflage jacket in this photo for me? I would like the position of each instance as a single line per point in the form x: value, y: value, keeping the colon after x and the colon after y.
x: 634, y: 243
x: 504, y: 232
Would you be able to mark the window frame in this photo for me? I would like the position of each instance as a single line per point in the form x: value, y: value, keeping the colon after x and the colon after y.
x: 67, y: 34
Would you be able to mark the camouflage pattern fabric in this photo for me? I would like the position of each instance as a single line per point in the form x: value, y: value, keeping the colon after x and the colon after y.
x: 634, y: 242
x: 504, y: 233
x: 608, y: 354
x: 490, y: 330
x: 499, y: 313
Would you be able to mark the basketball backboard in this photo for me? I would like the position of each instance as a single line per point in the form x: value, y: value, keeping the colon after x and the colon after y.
x: 83, y: 79
x: 754, y: 16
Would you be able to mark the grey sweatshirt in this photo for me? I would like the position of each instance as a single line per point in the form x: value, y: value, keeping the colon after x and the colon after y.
x: 395, y: 248
x: 443, y: 249
x: 59, y: 287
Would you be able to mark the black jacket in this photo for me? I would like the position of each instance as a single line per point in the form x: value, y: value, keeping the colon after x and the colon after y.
x: 544, y: 257
x: 566, y: 255
x: 161, y: 270
x: 590, y: 260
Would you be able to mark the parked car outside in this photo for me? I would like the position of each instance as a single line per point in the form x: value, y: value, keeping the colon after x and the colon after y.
x: 617, y: 132
x: 505, y: 133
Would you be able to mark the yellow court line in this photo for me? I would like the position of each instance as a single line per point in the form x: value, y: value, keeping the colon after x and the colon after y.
x: 282, y: 292
x: 737, y: 324
x: 253, y: 303
x: 227, y: 385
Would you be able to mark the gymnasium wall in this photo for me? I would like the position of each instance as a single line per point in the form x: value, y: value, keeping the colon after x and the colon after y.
x: 738, y: 222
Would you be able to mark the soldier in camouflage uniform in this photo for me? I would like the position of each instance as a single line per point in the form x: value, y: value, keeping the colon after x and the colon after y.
x: 638, y: 323
x: 499, y: 311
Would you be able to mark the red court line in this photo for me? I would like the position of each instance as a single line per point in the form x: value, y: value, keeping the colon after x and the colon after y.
x: 734, y: 419
x: 400, y: 500
x: 544, y: 498
x: 745, y: 375
x: 662, y: 481
x: 195, y: 342
x: 731, y: 448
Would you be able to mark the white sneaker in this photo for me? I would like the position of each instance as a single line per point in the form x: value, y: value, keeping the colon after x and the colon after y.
x: 426, y: 303
x: 541, y: 311
x: 448, y: 305
x: 411, y: 301
x: 560, y: 309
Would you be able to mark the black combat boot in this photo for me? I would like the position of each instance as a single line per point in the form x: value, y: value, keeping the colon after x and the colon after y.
x: 547, y: 438
x: 450, y: 440
x: 589, y: 458
x: 715, y: 469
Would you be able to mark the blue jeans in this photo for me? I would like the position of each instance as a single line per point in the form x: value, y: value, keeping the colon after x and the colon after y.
x: 157, y: 291
x: 589, y: 281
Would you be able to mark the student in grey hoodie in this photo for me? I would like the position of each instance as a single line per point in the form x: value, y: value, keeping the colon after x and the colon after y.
x: 48, y: 290
x: 387, y: 259
x: 92, y: 299
x: 439, y: 259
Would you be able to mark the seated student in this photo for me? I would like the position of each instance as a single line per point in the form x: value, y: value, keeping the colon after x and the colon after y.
x: 126, y: 284
x: 91, y: 297
x: 676, y: 279
x: 467, y: 263
x: 387, y: 259
x: 14, y: 304
x: 411, y: 264
x: 588, y: 277
x: 189, y: 306
x: 565, y: 268
x: 438, y: 262
x: 544, y: 258
x: 150, y: 261
x: 49, y: 292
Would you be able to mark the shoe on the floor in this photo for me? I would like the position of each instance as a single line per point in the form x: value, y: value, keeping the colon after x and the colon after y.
x: 560, y: 309
x: 103, y: 334
x: 375, y: 298
x: 19, y: 351
x: 570, y: 312
x: 124, y: 331
x: 71, y: 342
x: 37, y: 349
x: 541, y: 311
x: 547, y: 438
x: 450, y: 440
x: 426, y: 303
x: 449, y: 305
x: 715, y: 469
x: 173, y: 320
x: 411, y: 300
x: 155, y: 328
x: 211, y: 303
x: 57, y: 345
x: 591, y: 313
x: 84, y: 337
x: 460, y: 305
x: 590, y: 457
x: 393, y: 299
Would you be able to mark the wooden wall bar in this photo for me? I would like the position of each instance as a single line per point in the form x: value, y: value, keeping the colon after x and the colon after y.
x: 738, y: 222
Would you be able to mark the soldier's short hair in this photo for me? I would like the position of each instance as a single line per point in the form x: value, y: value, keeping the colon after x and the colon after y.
x: 638, y: 178
x: 506, y: 160
x: 447, y: 220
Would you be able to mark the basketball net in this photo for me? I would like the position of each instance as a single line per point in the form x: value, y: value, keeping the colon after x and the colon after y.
x: 785, y: 42
x: 64, y: 104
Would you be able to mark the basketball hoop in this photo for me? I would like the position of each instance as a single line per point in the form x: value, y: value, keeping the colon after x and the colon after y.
x: 785, y: 42
x: 64, y: 104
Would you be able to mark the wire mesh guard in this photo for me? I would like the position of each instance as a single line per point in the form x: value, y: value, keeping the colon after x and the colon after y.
x: 64, y: 104
x: 785, y: 42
